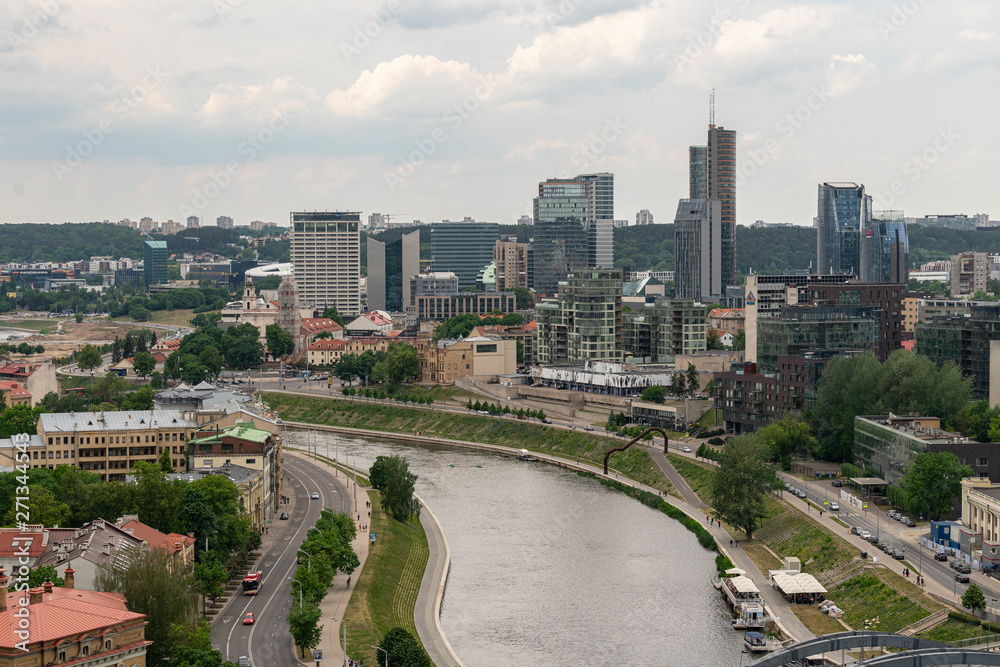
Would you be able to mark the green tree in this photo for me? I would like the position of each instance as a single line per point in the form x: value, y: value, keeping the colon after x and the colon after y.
x: 140, y: 399
x: 742, y: 483
x: 19, y: 419
x: 88, y: 358
x: 973, y: 599
x: 303, y: 623
x: 192, y: 646
x: 395, y: 484
x: 210, y: 577
x: 332, y: 314
x: 933, y: 481
x: 654, y: 394
x: 402, y: 648
x: 139, y: 313
x: 693, y: 379
x: 975, y: 420
x: 712, y: 341
x: 524, y: 298
x: 157, y: 498
x: 108, y: 389
x: 212, y: 360
x: 680, y: 384
x: 43, y: 508
x: 165, y: 464
x: 78, y: 317
x: 143, y: 363
x: 152, y: 586
x: 787, y: 437
x: 740, y: 340
x: 279, y: 342
x: 401, y: 363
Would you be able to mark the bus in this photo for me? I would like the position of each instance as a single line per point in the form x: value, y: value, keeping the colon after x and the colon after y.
x: 76, y: 390
x: 251, y: 583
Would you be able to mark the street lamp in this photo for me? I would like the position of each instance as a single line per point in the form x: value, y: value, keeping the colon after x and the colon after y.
x: 379, y: 648
x: 300, y: 590
x: 310, y: 558
x: 343, y: 625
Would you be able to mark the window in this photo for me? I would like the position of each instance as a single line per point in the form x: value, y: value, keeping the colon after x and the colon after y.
x: 86, y: 650
x: 982, y: 462
x: 107, y: 644
x: 207, y: 462
x: 62, y: 656
x: 251, y: 461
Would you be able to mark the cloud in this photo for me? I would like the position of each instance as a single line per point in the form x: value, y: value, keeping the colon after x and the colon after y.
x: 845, y: 73
x: 975, y: 36
x: 257, y: 103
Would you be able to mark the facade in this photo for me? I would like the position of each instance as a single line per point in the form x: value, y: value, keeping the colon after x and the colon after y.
x: 802, y: 328
x: 722, y: 187
x: 644, y: 217
x: 584, y: 321
x: 600, y: 226
x: 328, y: 351
x: 213, y: 272
x: 37, y: 379
x: 326, y: 256
x: 726, y: 319
x: 463, y: 248
x: 11, y: 394
x: 154, y: 263
x: 561, y: 243
x: 885, y: 249
x: 698, y: 249
x: 444, y: 361
x: 180, y: 548
x: 662, y: 330
x: 370, y: 323
x: 224, y: 222
x: 886, y: 297
x: 524, y: 333
x: 678, y: 417
x: 980, y: 513
x: 512, y: 265
x: 70, y: 626
x: 193, y: 221
x: 844, y: 210
x: 440, y: 307
x: 110, y: 443
x: 698, y: 172
x: 970, y: 273
x: 964, y: 340
x: 435, y: 282
x: 390, y: 268
x: 88, y: 548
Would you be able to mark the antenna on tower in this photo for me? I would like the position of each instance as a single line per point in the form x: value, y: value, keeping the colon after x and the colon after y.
x: 711, y: 108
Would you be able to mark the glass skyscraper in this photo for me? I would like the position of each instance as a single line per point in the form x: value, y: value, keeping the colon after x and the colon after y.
x: 712, y: 175
x: 561, y: 243
x: 844, y: 210
x: 698, y: 172
x: 390, y: 268
x: 885, y: 249
x: 463, y: 248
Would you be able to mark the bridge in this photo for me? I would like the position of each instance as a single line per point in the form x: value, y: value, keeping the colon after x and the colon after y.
x: 917, y: 652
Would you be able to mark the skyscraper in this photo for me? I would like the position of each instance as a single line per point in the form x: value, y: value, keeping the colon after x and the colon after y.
x: 193, y: 221
x: 463, y: 248
x: 885, y: 249
x: 511, y: 260
x: 390, y: 268
x: 154, y: 263
x: 561, y: 243
x: 722, y: 186
x: 326, y: 259
x: 844, y: 210
x: 698, y: 172
x: 584, y: 320
x: 600, y: 226
x: 698, y: 249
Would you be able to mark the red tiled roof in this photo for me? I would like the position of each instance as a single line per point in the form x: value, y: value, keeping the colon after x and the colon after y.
x: 531, y: 325
x: 908, y: 345
x: 376, y: 318
x: 317, y: 324
x: 16, y: 390
x: 8, y: 537
x: 65, y: 612
x: 17, y: 368
x: 155, y: 538
x: 328, y: 344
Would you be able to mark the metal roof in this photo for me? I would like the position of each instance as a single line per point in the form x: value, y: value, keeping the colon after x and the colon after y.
x: 123, y: 420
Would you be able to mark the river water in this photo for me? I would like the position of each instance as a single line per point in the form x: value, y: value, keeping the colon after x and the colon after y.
x: 549, y: 568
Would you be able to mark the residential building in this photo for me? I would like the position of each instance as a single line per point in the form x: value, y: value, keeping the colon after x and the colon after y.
x: 391, y: 266
x: 193, y: 221
x: 328, y: 351
x: 70, y: 626
x: 111, y: 443
x: 644, y: 217
x: 964, y: 340
x: 202, y: 396
x: 885, y: 249
x: 513, y: 267
x: 88, y: 548
x: 439, y: 307
x: 180, y: 548
x: 368, y: 324
x: 11, y: 394
x: 463, y: 248
x: 664, y: 329
x: 224, y: 222
x: 561, y: 241
x: 726, y: 319
x: 698, y: 249
x: 722, y: 187
x: 802, y: 328
x: 952, y: 221
x: 844, y: 210
x: 522, y: 333
x: 326, y: 256
x: 444, y: 361
x: 970, y: 273
x: 930, y: 307
x: 154, y: 263
x: 886, y: 297
x: 600, y: 226
x: 37, y: 379
x: 434, y: 282
x: 584, y: 321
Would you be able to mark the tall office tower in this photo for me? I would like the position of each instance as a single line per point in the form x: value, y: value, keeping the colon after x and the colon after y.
x: 463, y: 248
x: 844, y: 210
x: 644, y: 217
x: 698, y: 172
x: 390, y: 268
x: 722, y: 186
x: 193, y: 221
x: 561, y: 240
x: 885, y: 249
x: 698, y: 249
x: 326, y: 260
x: 601, y: 225
x: 154, y: 263
x: 511, y: 260
x: 224, y: 222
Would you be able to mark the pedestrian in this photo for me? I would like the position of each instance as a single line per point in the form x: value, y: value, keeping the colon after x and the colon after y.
x: 737, y: 544
x: 730, y: 543
x: 348, y: 581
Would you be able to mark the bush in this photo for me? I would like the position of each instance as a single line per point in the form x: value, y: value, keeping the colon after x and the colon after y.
x: 717, y: 441
x: 848, y: 470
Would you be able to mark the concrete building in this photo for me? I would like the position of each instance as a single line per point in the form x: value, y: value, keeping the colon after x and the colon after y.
x: 444, y: 361
x: 979, y: 534
x: 698, y: 249
x: 523, y: 333
x: 440, y: 307
x: 434, y: 282
x: 154, y: 263
x: 203, y: 396
x: 94, y: 545
x: 663, y: 330
x: 644, y: 217
x: 328, y: 351
x: 326, y: 256
x: 970, y: 273
x: 584, y: 321
x: 37, y: 379
x: 513, y: 267
x: 722, y: 187
x: 193, y: 221
x: 844, y: 210
x: 224, y: 222
x: 11, y: 394
x: 463, y: 248
x: 391, y: 266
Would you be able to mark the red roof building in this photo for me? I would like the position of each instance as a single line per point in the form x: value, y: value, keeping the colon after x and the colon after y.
x: 179, y: 547
x: 13, y: 393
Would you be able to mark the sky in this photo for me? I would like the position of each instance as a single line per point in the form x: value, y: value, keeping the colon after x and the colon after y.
x: 442, y: 109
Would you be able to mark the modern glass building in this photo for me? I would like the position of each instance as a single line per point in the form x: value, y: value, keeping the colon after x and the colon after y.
x: 698, y: 172
x: 661, y: 330
x: 801, y: 328
x: 722, y: 186
x: 463, y: 248
x: 844, y: 210
x: 154, y: 263
x: 584, y: 321
x: 698, y: 249
x: 326, y: 259
x: 964, y: 340
x: 885, y: 249
x: 390, y: 268
x: 561, y: 242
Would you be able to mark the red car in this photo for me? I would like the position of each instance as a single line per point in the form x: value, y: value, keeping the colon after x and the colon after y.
x: 248, y: 619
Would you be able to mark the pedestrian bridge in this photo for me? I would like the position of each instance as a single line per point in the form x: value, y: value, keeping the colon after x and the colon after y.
x: 917, y: 652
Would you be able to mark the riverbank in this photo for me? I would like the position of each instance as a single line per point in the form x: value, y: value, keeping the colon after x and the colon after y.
x: 403, y: 423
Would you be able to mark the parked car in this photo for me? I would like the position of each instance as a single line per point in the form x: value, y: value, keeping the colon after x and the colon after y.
x: 837, y: 482
x: 248, y: 619
x: 854, y: 530
x: 899, y: 554
x: 834, y: 507
x: 962, y: 578
x: 243, y: 662
x: 954, y: 564
x: 910, y: 522
x: 588, y: 427
x: 284, y: 516
x: 964, y: 568
x: 891, y: 513
x: 888, y: 549
x: 800, y: 493
x: 941, y: 556
x: 521, y: 417
x: 865, y: 535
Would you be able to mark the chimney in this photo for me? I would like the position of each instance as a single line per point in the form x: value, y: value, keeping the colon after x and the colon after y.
x: 3, y: 590
x: 35, y: 595
x: 68, y: 576
x: 48, y: 586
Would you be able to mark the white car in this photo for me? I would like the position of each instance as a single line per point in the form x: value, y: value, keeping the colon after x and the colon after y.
x: 314, y: 496
x: 865, y: 535
x: 686, y: 450
x: 834, y: 507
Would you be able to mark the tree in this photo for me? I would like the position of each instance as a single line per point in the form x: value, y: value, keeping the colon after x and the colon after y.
x: 152, y: 586
x: 787, y: 437
x: 242, y: 346
x: 693, y: 379
x: 88, y: 358
x: 139, y: 313
x: 740, y: 340
x: 43, y: 508
x: 402, y: 648
x: 279, y: 342
x: 524, y: 298
x: 18, y: 419
x: 395, y: 482
x: 303, y: 623
x: 401, y: 363
x: 78, y: 317
x: 933, y: 482
x: 108, y: 389
x: 140, y: 399
x: 712, y: 341
x: 143, y: 363
x: 211, y: 360
x: 973, y: 599
x: 165, y: 464
x: 323, y: 335
x: 742, y: 483
x: 192, y: 646
x: 680, y: 383
x: 332, y: 314
x: 654, y: 394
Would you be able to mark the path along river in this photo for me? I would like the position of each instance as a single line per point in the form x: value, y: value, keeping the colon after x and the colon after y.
x: 550, y: 568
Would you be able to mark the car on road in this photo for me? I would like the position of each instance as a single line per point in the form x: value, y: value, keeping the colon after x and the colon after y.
x: 546, y: 421
x: 834, y: 507
x: 854, y: 530
x: 837, y: 482
x: 521, y: 417
x: 962, y: 578
x: 800, y: 493
x: 899, y: 554
x: 484, y: 412
x: 892, y: 514
x: 941, y: 556
x: 242, y: 661
x: 686, y: 450
x: 588, y: 427
x: 284, y: 516
x: 314, y: 496
x: 248, y: 619
x: 887, y: 549
x: 865, y: 535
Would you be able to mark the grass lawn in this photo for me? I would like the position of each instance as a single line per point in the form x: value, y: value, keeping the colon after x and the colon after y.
x: 761, y: 557
x: 41, y: 326
x: 874, y: 599
x: 635, y: 463
x: 789, y: 532
x: 386, y: 592
x: 439, y: 394
x: 711, y: 419
x: 954, y: 630
x: 699, y: 476
x: 817, y: 622
x: 181, y: 318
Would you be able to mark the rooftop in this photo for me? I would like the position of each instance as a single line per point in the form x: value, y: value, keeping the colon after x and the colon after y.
x: 124, y: 420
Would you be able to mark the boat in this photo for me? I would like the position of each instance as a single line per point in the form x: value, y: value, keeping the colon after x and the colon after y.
x: 744, y: 597
x: 755, y: 642
x: 524, y: 455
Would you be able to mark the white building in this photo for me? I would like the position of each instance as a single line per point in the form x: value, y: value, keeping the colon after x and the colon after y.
x: 326, y: 256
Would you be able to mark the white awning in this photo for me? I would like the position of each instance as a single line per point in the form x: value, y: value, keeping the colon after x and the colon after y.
x: 744, y: 585
x: 735, y: 571
x: 793, y: 584
x: 787, y: 584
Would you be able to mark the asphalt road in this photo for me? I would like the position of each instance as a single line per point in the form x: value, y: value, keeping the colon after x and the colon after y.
x: 268, y: 642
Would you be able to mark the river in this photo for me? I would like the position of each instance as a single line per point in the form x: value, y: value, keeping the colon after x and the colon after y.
x: 550, y: 568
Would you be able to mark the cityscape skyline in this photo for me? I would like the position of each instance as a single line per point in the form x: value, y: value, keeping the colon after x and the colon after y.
x: 454, y: 109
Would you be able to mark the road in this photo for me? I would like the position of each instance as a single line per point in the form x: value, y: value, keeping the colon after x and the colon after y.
x: 268, y: 641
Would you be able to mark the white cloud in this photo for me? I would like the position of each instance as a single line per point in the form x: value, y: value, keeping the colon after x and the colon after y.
x: 975, y: 36
x: 847, y: 72
x: 256, y: 102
